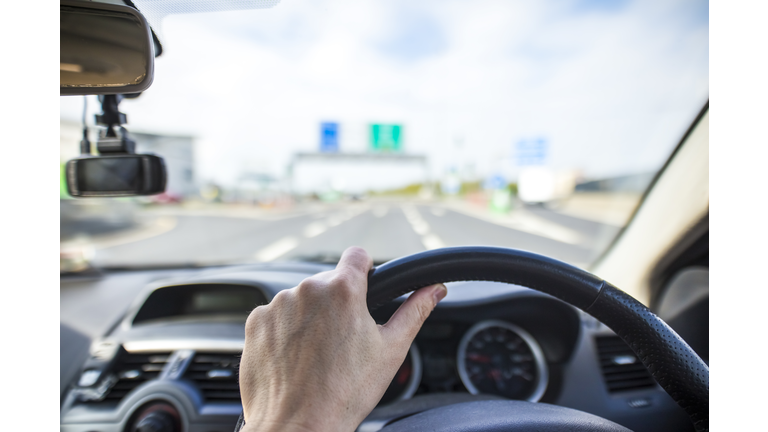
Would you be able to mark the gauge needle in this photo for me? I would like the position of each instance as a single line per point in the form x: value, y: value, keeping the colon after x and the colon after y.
x: 496, y: 375
x: 521, y: 373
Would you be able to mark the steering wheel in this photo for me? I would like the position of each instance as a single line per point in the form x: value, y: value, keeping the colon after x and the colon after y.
x: 671, y: 362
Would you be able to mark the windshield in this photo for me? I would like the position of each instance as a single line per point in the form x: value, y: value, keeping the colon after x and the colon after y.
x: 293, y: 132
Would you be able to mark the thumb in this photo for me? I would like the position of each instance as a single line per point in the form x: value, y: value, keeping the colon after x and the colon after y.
x: 407, y: 320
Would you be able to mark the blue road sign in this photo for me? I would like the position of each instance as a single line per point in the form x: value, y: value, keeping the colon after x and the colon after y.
x: 329, y: 137
x: 531, y: 152
x: 495, y: 181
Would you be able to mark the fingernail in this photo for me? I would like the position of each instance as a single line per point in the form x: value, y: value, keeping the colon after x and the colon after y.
x: 439, y: 293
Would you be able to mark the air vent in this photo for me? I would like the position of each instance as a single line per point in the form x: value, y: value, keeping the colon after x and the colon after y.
x: 133, y: 370
x: 216, y: 376
x: 622, y: 370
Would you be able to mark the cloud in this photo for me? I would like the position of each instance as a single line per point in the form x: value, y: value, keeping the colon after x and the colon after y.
x: 611, y: 87
x: 412, y: 36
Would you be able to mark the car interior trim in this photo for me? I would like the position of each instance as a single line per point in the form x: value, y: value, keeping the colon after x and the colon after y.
x: 467, y: 303
x: 691, y: 250
x: 224, y: 345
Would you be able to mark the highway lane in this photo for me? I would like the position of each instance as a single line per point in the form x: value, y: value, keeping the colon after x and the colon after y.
x: 457, y: 229
x: 380, y: 229
x: 203, y: 240
x: 598, y: 235
x: 386, y: 229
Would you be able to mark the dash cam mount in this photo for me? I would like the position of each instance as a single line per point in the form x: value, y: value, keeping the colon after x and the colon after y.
x: 117, y: 171
x: 115, y: 138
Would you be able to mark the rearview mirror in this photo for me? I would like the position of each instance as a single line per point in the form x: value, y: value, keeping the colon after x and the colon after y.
x: 116, y: 175
x: 104, y: 49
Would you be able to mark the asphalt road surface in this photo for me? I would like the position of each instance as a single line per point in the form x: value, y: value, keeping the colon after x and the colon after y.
x: 386, y: 230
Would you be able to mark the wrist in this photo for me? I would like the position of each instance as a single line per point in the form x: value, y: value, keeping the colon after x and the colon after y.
x: 295, y: 413
x: 267, y: 426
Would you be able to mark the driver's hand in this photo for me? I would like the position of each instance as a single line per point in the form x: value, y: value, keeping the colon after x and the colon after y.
x: 315, y: 360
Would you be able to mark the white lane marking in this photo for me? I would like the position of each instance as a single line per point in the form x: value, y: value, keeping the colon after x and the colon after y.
x: 346, y: 214
x: 161, y: 225
x: 277, y: 249
x: 380, y: 211
x: 335, y: 220
x: 431, y: 241
x: 421, y: 227
x: 438, y: 211
x: 315, y: 229
x: 236, y: 213
x: 522, y: 220
x: 411, y: 214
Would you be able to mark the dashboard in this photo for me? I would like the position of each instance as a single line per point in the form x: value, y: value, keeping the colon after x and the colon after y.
x: 173, y: 356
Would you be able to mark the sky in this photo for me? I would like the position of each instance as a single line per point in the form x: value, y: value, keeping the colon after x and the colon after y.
x: 610, y: 85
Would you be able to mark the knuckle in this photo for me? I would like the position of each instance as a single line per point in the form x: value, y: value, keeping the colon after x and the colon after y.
x: 343, y: 279
x: 358, y: 251
x: 280, y: 297
x: 254, y: 318
x: 309, y: 286
x: 423, y: 310
x: 345, y: 285
x: 360, y: 254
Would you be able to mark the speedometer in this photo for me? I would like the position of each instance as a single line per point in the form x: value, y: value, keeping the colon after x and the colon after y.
x: 496, y: 357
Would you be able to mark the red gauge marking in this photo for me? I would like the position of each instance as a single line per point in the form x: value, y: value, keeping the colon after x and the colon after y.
x: 479, y: 358
x: 403, y: 374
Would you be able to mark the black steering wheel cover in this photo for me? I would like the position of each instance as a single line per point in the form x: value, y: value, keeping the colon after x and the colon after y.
x: 504, y: 416
x: 403, y: 275
x: 669, y: 359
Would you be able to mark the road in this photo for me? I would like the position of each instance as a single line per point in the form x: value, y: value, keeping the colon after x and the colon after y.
x: 386, y: 229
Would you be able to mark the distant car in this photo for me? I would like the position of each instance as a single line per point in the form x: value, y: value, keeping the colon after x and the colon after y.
x: 166, y: 198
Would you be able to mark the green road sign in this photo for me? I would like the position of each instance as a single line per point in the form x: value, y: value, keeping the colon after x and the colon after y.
x: 386, y: 138
x: 63, y: 192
